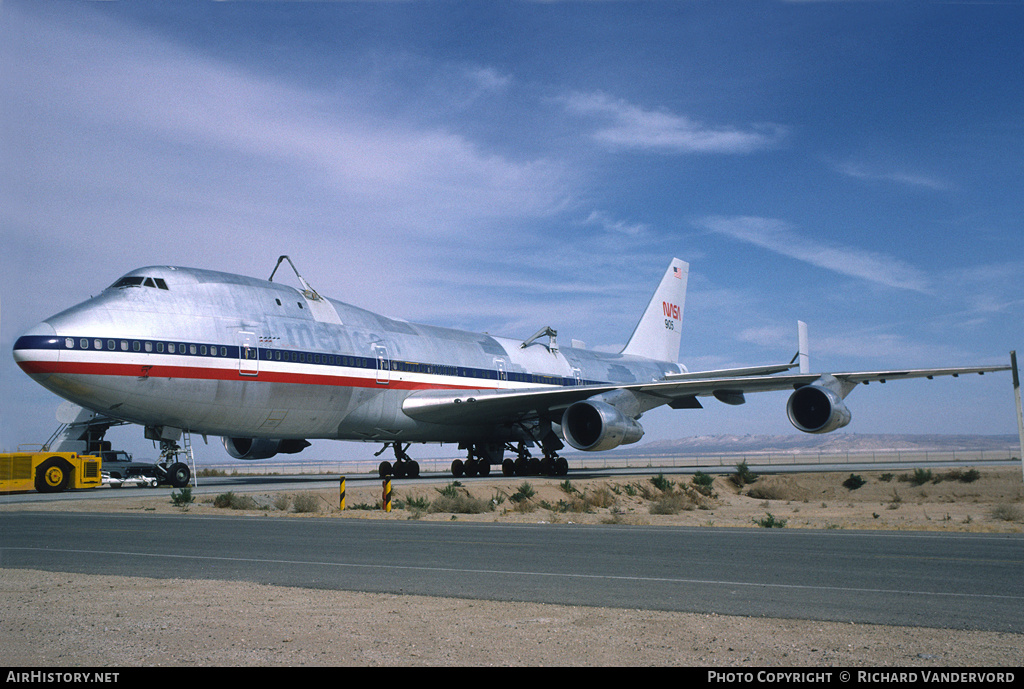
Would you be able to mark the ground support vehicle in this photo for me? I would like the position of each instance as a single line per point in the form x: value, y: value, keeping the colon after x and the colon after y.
x: 116, y: 482
x: 121, y: 470
x: 49, y: 472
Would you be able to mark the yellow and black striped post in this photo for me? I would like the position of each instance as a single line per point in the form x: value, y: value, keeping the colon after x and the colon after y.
x: 386, y: 497
x: 341, y: 491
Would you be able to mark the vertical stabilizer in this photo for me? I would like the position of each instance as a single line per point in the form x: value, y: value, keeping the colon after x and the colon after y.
x: 658, y: 333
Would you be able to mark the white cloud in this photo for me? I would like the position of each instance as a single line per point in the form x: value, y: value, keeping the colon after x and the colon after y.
x: 488, y: 78
x: 780, y: 237
x: 868, y: 174
x: 116, y: 83
x: 630, y: 126
x: 610, y: 224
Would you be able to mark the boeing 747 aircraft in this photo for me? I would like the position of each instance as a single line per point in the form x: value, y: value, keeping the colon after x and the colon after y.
x: 268, y: 367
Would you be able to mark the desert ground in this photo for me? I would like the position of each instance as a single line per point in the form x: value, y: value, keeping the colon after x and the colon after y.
x: 112, y: 621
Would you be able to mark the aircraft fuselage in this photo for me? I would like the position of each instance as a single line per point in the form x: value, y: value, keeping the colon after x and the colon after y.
x: 221, y: 354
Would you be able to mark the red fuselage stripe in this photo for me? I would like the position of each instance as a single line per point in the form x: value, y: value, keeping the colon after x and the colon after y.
x: 202, y: 373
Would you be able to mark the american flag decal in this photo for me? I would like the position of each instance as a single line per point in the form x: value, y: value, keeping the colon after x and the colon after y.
x: 677, y: 272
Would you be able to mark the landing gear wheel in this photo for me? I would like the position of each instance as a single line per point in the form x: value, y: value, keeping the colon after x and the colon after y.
x: 561, y: 466
x: 508, y: 467
x: 458, y: 468
x: 384, y: 469
x: 178, y: 475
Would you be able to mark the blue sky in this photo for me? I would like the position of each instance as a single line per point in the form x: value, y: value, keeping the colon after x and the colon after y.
x: 503, y: 166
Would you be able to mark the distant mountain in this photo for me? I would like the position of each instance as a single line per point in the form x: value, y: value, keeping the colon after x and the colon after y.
x: 829, y: 443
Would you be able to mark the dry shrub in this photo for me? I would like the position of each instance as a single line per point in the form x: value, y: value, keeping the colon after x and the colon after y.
x: 777, y: 488
x: 306, y: 502
x: 524, y: 506
x: 601, y: 497
x: 232, y: 501
x: 672, y: 503
x: 1006, y: 512
x: 461, y: 504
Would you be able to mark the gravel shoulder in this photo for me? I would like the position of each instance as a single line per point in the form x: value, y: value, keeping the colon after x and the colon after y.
x: 118, y: 622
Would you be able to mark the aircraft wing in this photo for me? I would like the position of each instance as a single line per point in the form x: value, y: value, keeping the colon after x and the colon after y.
x: 679, y: 391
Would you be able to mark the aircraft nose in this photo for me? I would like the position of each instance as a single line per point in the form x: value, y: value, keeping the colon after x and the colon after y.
x: 36, y: 351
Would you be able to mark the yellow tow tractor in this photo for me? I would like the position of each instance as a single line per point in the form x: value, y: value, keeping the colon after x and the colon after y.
x: 48, y: 472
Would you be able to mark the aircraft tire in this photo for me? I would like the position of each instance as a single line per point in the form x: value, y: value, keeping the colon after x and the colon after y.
x: 53, y: 476
x: 178, y: 475
x: 413, y: 469
x: 384, y: 469
x: 561, y: 466
x: 521, y: 466
x: 484, y: 468
x: 458, y: 468
x: 508, y: 467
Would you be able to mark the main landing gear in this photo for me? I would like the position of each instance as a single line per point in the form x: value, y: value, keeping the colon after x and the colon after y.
x: 480, y: 457
x: 404, y: 466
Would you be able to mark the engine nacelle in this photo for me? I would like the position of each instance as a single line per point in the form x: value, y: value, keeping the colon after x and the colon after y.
x: 261, y: 448
x: 595, y: 425
x: 814, y: 409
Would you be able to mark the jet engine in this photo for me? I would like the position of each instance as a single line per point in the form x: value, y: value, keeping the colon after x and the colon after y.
x: 814, y: 409
x: 261, y: 448
x: 595, y: 425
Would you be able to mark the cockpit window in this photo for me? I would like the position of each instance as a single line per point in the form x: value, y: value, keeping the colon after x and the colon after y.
x: 135, y: 281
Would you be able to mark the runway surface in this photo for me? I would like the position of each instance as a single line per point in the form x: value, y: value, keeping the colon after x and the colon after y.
x: 959, y: 581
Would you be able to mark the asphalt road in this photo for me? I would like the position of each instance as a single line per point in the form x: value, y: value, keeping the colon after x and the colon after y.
x: 960, y: 581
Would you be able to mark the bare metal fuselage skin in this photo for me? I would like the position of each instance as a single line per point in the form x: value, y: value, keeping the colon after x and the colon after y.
x: 222, y: 354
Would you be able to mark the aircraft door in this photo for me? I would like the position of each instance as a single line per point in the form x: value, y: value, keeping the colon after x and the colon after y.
x: 248, y: 355
x: 499, y: 365
x: 380, y: 353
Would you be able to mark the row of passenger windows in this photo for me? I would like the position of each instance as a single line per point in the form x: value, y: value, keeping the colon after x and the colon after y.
x: 303, y: 358
x: 85, y: 343
x: 143, y: 346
